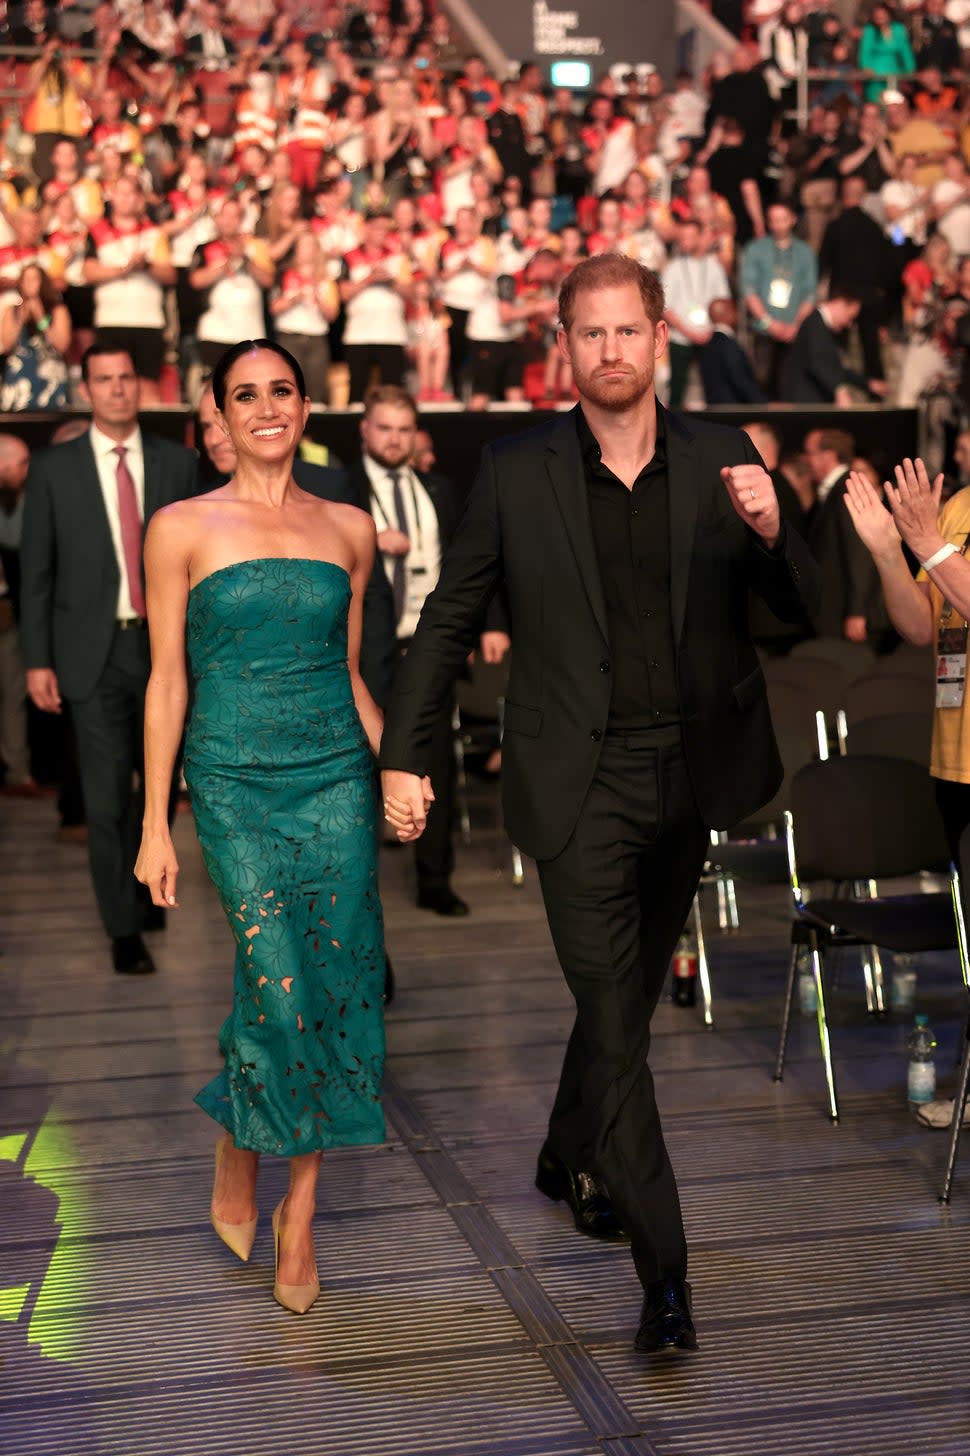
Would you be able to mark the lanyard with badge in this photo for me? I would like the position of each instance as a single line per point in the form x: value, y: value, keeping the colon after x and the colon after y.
x: 951, y: 655
x: 780, y: 287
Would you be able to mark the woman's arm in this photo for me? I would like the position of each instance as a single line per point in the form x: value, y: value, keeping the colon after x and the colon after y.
x: 166, y: 700
x: 363, y: 535
x: 59, y: 332
x: 11, y: 322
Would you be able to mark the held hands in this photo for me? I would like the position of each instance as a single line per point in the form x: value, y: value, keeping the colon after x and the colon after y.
x: 753, y: 497
x: 407, y: 799
x: 43, y: 689
x: 158, y: 868
x: 493, y: 646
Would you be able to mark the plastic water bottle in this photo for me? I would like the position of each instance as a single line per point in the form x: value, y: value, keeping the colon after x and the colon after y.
x: 807, y: 990
x: 684, y: 968
x: 922, y: 1068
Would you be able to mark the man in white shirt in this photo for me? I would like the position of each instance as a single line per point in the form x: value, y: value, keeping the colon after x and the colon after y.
x: 416, y: 517
x: 692, y: 281
x: 83, y: 619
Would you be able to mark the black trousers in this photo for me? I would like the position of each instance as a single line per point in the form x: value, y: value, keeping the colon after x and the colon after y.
x: 953, y: 800
x: 617, y: 898
x: 434, y: 852
x: 459, y: 347
x: 362, y: 359
x: 109, y: 731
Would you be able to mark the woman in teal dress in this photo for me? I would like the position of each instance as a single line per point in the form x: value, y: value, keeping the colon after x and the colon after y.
x: 262, y: 585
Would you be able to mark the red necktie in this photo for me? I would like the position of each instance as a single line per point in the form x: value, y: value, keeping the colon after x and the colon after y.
x: 130, y: 517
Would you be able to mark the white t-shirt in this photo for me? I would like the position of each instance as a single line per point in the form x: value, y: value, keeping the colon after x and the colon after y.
x: 376, y: 315
x: 136, y: 301
x: 954, y: 224
x: 691, y: 286
x: 234, y: 309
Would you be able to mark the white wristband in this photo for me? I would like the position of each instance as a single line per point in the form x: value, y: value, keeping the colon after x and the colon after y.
x: 939, y: 556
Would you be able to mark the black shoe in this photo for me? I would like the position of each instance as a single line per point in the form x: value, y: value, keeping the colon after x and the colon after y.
x: 153, y: 918
x: 388, y: 980
x: 442, y: 902
x: 666, y: 1322
x: 130, y: 956
x: 592, y: 1211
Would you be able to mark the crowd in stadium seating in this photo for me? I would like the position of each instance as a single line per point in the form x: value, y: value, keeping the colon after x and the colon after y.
x: 349, y: 178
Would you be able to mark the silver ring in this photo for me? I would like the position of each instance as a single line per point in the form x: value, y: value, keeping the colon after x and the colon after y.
x: 751, y: 488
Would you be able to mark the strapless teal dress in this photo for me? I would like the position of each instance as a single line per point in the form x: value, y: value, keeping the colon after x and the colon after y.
x: 283, y: 787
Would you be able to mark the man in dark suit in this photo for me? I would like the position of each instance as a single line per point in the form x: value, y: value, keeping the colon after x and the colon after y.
x: 378, y: 645
x: 726, y: 371
x: 815, y: 372
x: 627, y: 538
x: 849, y: 591
x: 83, y: 628
x: 856, y: 256
x: 416, y: 517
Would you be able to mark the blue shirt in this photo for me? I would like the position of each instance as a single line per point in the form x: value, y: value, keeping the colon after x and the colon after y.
x: 795, y: 266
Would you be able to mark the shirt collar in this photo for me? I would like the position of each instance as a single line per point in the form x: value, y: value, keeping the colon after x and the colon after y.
x: 379, y: 474
x: 589, y: 445
x: 103, y: 445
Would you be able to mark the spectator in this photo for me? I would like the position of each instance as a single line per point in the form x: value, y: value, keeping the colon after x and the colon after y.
x: 903, y: 204
x: 692, y: 281
x: 401, y: 144
x: 471, y: 152
x: 921, y: 136
x: 950, y: 204
x: 14, y: 751
x: 230, y: 275
x: 737, y: 167
x: 427, y: 347
x: 610, y: 143
x: 869, y: 156
x: 564, y: 138
x: 779, y: 281
x: 35, y: 335
x: 848, y: 583
x: 884, y: 49
x: 726, y: 371
x: 129, y: 265
x: 304, y: 306
x: 935, y: 39
x: 929, y: 283
x: 375, y: 288
x: 507, y: 138
x: 467, y: 263
x: 855, y: 257
x: 814, y: 370
x: 497, y: 325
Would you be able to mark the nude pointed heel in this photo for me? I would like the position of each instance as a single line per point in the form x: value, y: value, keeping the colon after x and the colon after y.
x: 295, y: 1297
x: 239, y: 1237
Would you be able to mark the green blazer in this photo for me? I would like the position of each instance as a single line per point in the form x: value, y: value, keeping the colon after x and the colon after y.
x: 69, y: 572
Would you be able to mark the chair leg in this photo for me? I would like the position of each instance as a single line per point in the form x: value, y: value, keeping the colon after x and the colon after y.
x: 518, y: 870
x: 878, y: 980
x: 786, y: 1014
x: 823, y: 1032
x: 959, y: 1104
x: 734, y: 917
x: 703, y: 969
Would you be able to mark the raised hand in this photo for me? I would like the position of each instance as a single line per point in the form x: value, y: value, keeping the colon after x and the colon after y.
x: 753, y: 497
x: 874, y: 524
x: 915, y: 506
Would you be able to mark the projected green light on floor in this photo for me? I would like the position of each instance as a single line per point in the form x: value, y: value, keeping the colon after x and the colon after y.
x: 51, y: 1163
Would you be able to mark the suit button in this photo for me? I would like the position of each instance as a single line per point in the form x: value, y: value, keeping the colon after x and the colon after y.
x: 604, y: 665
x: 596, y: 735
x: 795, y: 573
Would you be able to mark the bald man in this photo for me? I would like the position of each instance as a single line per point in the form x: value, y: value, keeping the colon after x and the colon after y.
x: 17, y: 780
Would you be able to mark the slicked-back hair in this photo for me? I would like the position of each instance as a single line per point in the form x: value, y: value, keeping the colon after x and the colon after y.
x: 611, y: 270
x: 238, y: 351
x: 391, y: 394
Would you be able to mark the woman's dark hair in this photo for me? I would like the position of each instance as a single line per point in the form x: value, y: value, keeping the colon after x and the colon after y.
x: 49, y: 295
x: 221, y: 372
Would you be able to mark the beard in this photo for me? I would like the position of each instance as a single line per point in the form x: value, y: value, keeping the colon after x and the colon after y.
x: 620, y: 393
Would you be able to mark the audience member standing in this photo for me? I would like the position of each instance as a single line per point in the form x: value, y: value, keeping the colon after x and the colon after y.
x: 14, y: 752
x: 85, y: 637
x: 779, y: 280
x: 848, y: 582
x: 692, y: 281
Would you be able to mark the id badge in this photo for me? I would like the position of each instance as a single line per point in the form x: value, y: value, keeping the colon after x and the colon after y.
x: 779, y: 293
x: 698, y: 317
x: 951, y: 667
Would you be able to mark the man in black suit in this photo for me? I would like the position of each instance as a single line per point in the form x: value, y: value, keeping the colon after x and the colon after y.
x: 726, y: 371
x: 627, y: 538
x: 856, y: 256
x: 815, y: 372
x: 378, y: 646
x: 83, y: 627
x: 849, y: 591
x: 416, y: 517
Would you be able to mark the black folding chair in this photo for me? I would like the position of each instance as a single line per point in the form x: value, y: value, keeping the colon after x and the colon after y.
x: 882, y: 693
x: 853, y: 659
x: 894, y: 735
x: 962, y: 906
x: 824, y: 682
x: 853, y: 820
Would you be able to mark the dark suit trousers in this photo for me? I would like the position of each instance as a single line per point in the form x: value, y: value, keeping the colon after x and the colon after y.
x: 617, y: 898
x: 434, y: 852
x: 109, y: 729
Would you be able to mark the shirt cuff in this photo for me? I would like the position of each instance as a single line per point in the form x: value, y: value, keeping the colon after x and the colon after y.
x: 776, y: 552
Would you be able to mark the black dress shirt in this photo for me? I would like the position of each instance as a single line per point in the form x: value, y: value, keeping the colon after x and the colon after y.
x: 631, y: 537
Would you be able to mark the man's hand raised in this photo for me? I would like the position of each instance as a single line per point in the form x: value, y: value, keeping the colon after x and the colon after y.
x: 407, y: 799
x: 753, y: 497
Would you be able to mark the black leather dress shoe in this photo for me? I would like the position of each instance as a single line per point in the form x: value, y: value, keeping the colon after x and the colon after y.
x: 153, y: 918
x: 388, y: 980
x: 130, y: 956
x: 666, y: 1322
x: 442, y: 902
x: 592, y: 1211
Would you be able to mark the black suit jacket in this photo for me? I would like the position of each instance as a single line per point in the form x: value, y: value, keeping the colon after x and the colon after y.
x: 847, y: 576
x: 727, y: 374
x: 69, y: 571
x: 814, y: 369
x: 527, y: 523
